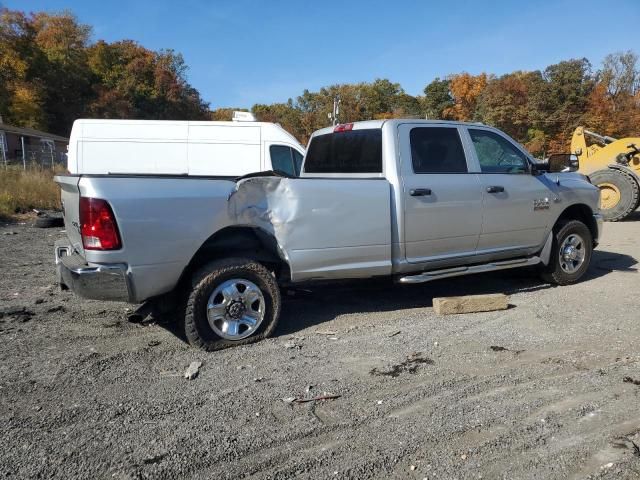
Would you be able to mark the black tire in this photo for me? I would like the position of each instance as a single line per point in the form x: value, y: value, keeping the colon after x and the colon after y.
x: 627, y: 188
x: 197, y: 329
x: 554, y: 272
x: 48, y: 222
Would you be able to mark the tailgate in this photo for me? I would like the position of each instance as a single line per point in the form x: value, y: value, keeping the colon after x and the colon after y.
x: 70, y: 208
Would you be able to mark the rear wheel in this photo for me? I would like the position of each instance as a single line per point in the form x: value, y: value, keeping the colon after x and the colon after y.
x: 231, y: 302
x: 570, y: 253
x: 618, y: 193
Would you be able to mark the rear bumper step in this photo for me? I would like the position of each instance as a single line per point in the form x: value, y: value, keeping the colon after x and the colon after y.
x: 98, y: 282
x: 467, y: 270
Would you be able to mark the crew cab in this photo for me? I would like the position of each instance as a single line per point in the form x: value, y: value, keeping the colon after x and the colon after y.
x: 414, y: 200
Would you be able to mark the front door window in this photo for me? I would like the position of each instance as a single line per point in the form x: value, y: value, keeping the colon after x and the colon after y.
x: 496, y: 154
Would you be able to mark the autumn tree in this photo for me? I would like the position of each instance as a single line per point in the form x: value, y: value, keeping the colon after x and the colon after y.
x: 224, y: 114
x: 134, y: 82
x: 66, y: 78
x: 52, y: 74
x: 504, y: 103
x: 283, y: 113
x: 21, y: 88
x: 465, y: 90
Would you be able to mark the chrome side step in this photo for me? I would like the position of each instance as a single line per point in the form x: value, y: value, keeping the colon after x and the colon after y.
x: 457, y: 271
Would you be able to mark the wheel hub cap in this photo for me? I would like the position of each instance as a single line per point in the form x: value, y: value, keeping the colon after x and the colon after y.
x: 572, y: 253
x: 236, y: 309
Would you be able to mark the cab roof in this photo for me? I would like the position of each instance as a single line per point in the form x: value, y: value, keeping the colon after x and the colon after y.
x: 372, y: 124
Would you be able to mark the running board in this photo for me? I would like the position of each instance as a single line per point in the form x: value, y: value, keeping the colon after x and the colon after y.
x: 457, y: 271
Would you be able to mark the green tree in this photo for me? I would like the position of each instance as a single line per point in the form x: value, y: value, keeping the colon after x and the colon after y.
x: 563, y: 100
x: 437, y: 98
x: 286, y: 114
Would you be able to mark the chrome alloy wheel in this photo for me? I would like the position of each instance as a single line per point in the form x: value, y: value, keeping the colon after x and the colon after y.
x: 236, y: 309
x: 572, y: 253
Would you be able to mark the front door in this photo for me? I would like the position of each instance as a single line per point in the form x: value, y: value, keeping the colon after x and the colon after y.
x: 515, y: 202
x: 442, y: 200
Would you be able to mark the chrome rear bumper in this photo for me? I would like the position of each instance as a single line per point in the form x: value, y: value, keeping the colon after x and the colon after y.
x: 98, y: 282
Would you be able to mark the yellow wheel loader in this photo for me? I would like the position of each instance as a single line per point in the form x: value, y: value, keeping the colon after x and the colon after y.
x: 614, y: 166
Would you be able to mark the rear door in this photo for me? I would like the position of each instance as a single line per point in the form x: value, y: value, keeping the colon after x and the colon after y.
x: 516, y: 203
x: 442, y: 200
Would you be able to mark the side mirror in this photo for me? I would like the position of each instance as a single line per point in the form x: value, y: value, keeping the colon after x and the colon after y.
x: 562, y: 162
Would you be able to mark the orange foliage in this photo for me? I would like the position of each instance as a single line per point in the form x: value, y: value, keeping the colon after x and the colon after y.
x: 465, y: 90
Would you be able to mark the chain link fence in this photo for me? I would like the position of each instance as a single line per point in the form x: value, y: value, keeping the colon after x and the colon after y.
x: 43, y: 155
x: 36, y: 157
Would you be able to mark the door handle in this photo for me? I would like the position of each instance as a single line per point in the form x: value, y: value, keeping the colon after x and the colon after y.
x: 495, y: 189
x: 419, y: 192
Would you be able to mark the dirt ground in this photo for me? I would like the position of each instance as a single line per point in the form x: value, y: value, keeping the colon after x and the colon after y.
x: 547, y: 389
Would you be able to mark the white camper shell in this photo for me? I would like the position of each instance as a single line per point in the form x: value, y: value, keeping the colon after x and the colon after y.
x: 182, y: 147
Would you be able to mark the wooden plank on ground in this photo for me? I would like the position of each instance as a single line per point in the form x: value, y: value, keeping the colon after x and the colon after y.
x: 470, y: 303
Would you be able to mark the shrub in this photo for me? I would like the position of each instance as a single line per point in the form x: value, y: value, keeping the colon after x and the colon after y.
x: 23, y: 190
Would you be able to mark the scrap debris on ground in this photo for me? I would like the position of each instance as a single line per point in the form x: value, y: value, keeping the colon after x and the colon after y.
x: 631, y: 380
x: 410, y: 365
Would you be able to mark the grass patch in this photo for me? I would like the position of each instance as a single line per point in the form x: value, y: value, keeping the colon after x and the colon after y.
x: 23, y: 190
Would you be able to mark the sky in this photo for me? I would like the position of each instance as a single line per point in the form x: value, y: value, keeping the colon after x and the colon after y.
x: 243, y: 52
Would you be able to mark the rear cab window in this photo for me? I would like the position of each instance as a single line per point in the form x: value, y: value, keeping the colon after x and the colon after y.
x: 352, y: 151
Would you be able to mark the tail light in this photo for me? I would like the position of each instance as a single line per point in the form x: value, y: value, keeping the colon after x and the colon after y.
x: 98, y: 225
x: 343, y: 127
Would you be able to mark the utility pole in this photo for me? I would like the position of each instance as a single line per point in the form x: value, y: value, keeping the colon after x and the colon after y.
x: 24, y: 154
x: 3, y: 148
x: 333, y: 116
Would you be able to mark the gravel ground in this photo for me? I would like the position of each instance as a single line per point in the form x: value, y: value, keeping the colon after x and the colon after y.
x: 542, y: 390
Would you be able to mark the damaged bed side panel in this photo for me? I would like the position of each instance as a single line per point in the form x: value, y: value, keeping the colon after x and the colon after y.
x: 325, y: 228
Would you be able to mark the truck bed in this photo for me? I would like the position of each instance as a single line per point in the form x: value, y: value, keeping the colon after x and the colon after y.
x: 324, y: 228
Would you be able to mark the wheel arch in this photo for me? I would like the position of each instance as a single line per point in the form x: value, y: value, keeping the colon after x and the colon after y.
x: 582, y: 212
x: 244, y: 242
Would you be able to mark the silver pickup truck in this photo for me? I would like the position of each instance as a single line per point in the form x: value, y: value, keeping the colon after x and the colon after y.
x: 414, y: 200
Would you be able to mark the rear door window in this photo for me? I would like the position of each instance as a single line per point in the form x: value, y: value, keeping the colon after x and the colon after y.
x: 354, y: 151
x: 437, y: 150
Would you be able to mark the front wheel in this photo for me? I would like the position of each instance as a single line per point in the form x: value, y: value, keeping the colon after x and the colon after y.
x: 570, y: 253
x: 231, y: 302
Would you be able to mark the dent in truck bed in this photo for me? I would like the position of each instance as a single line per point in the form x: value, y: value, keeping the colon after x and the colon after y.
x: 319, y: 234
